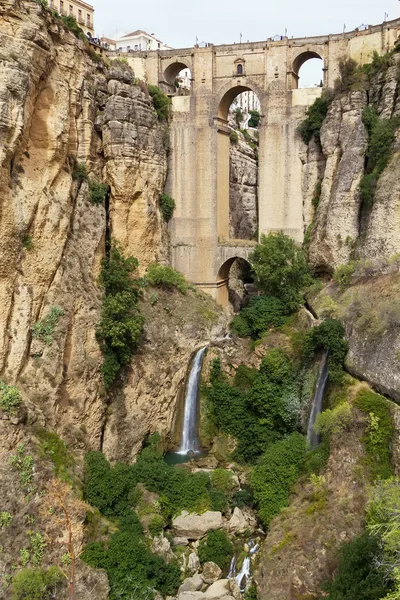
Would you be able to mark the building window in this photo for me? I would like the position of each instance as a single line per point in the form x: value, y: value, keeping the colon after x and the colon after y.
x: 71, y: 10
x: 239, y: 70
x: 80, y: 16
x: 88, y: 20
x: 159, y: 45
x: 61, y: 6
x: 128, y: 48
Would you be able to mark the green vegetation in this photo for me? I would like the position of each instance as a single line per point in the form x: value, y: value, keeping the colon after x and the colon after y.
x: 156, y: 525
x: 42, y: 3
x: 315, y: 115
x: 80, y: 172
x: 27, y: 242
x: 10, y: 398
x: 259, y: 408
x: 344, y: 273
x: 238, y: 116
x: 36, y: 584
x: 255, y: 118
x: 71, y: 24
x: 5, y: 518
x: 328, y: 336
x: 216, y: 547
x: 97, y: 191
x: 317, y: 195
x: 262, y: 313
x: 251, y: 593
x: 222, y: 480
x: 161, y: 102
x: 44, y: 329
x: 121, y: 323
x: 381, y: 135
x: 54, y: 448
x: 166, y: 277
x: 24, y: 464
x: 275, y: 473
x: 133, y: 571
x: 280, y: 269
x: 332, y: 422
x: 358, y: 576
x: 379, y: 433
x: 167, y: 206
x: 351, y: 76
x: 38, y: 546
x: 233, y: 136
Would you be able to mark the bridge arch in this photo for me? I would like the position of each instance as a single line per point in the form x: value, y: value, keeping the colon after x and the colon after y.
x: 227, y: 293
x: 229, y: 92
x: 301, y: 59
x: 173, y: 69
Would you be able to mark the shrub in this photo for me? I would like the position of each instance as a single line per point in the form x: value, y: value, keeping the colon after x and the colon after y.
x: 71, y: 24
x: 357, y: 574
x: 167, y: 206
x: 79, y: 173
x: 262, y: 313
x: 275, y: 473
x: 330, y: 337
x: 10, y: 398
x: 97, y: 191
x: 36, y: 584
x: 317, y: 195
x: 5, y: 519
x: 332, y: 422
x: 315, y: 116
x: 216, y: 547
x: 166, y: 277
x: 344, y: 273
x: 27, y: 242
x: 42, y: 3
x: 44, y: 329
x: 161, y: 102
x: 378, y: 437
x: 233, y: 136
x: 24, y: 464
x: 55, y: 449
x: 280, y: 268
x: 156, y: 525
x: 121, y: 324
x: 251, y: 593
x: 222, y: 480
x: 255, y: 118
x: 244, y: 378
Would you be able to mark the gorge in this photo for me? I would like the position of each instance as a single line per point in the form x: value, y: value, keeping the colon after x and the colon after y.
x: 133, y: 267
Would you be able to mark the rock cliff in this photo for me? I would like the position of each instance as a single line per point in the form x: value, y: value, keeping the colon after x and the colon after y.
x: 243, y: 191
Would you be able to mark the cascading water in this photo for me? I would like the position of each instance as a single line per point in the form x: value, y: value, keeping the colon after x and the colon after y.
x: 242, y: 578
x: 190, y: 440
x: 313, y: 438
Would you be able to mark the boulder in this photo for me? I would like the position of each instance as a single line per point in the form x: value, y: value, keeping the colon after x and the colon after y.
x: 235, y: 589
x: 193, y: 563
x: 191, y: 596
x: 192, y: 584
x: 211, y: 572
x: 180, y: 541
x: 162, y: 547
x: 218, y: 589
x: 238, y: 522
x: 194, y: 527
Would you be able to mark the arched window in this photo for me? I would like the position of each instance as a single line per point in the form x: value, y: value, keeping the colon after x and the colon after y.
x: 239, y: 69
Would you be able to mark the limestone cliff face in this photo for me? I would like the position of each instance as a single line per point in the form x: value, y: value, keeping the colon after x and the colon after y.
x: 58, y: 107
x: 243, y: 191
x: 343, y: 228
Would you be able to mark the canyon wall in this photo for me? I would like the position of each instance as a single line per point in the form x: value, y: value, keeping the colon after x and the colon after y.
x: 243, y: 181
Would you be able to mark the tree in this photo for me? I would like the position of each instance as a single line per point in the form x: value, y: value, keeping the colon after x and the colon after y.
x: 280, y: 268
x: 68, y: 512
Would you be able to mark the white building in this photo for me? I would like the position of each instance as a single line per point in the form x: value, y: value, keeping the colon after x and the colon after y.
x: 248, y: 101
x: 139, y: 40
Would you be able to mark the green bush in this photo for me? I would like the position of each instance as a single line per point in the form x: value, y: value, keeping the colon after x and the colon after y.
x: 357, y: 576
x: 44, y: 329
x: 133, y: 571
x: 156, y: 526
x: 80, y: 172
x: 315, y: 116
x: 42, y: 3
x: 255, y: 118
x: 262, y: 313
x: 317, y: 195
x: 222, y: 480
x: 351, y: 76
x: 275, y: 473
x: 166, y: 277
x: 121, y: 323
x: 344, y: 273
x: 36, y: 584
x: 332, y: 422
x: 233, y: 137
x: 216, y: 547
x: 328, y: 336
x: 280, y: 268
x: 55, y: 449
x: 251, y: 592
x: 161, y: 102
x: 5, y: 519
x: 10, y: 398
x: 167, y: 206
x: 378, y: 438
x: 97, y: 191
x: 244, y: 378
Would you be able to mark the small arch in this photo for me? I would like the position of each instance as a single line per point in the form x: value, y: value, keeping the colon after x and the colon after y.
x: 308, y: 70
x: 239, y: 69
x: 228, y: 98
x: 173, y: 70
x: 235, y: 282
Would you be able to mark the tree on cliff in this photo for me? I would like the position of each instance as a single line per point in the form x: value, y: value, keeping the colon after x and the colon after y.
x: 280, y: 268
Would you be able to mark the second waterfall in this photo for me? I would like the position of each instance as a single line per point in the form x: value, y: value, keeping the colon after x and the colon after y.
x: 190, y: 430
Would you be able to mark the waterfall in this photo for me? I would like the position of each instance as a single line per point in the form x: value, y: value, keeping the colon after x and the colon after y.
x: 232, y: 568
x: 190, y: 441
x: 242, y: 578
x: 312, y: 437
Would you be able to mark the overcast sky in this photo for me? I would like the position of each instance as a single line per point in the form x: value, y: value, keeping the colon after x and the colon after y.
x: 179, y: 22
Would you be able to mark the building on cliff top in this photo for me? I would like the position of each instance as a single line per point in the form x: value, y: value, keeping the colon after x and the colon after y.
x: 82, y: 11
x: 139, y: 40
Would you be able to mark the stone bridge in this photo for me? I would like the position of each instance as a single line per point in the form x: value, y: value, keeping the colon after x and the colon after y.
x: 199, y: 156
